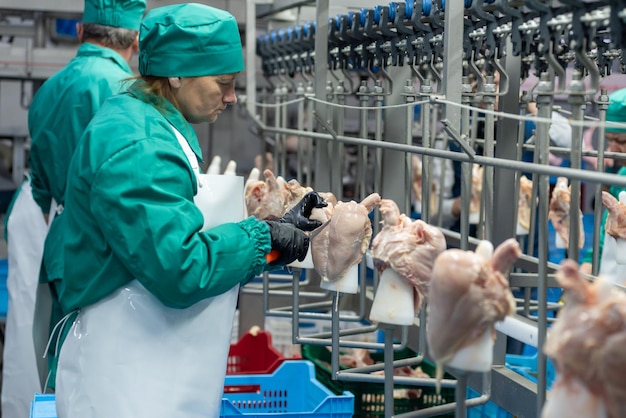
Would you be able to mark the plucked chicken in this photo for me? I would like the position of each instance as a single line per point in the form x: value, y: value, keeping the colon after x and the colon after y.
x: 408, y: 247
x: 342, y: 243
x: 477, y: 188
x: 469, y: 293
x: 524, y: 206
x: 296, y: 193
x: 559, y: 212
x: 587, y: 345
x: 416, y: 166
x: 417, y: 188
x: 615, y: 224
x: 266, y: 199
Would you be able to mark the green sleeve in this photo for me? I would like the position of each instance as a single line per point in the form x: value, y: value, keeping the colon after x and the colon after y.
x: 144, y: 196
x: 56, y: 131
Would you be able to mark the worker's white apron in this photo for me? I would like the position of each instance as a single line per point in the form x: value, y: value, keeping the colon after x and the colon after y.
x: 129, y: 356
x: 27, y: 231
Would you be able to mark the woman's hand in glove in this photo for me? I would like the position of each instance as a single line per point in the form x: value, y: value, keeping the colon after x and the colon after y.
x: 290, y: 242
x: 299, y: 214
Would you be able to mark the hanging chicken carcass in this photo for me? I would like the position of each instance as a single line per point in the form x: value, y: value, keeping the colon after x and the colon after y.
x: 468, y: 294
x: 342, y: 243
x: 477, y: 189
x: 615, y: 224
x: 266, y: 199
x: 559, y: 212
x: 587, y: 344
x: 408, y: 247
x: 525, y: 205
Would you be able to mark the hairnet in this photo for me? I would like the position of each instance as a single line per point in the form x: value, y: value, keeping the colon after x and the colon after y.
x: 189, y: 40
x: 616, y: 111
x: 125, y: 14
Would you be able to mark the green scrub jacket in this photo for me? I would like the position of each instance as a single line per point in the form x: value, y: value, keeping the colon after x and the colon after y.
x: 58, y: 117
x: 129, y: 213
x: 62, y: 109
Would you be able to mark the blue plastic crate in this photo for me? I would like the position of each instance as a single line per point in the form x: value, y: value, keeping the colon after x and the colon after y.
x: 526, y: 365
x: 4, y: 293
x: 291, y: 391
x: 43, y: 406
x: 487, y: 410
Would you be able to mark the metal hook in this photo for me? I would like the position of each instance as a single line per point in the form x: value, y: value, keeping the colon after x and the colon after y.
x: 557, y: 67
x: 305, y: 76
x: 349, y: 79
x: 387, y: 77
x: 433, y: 69
x: 281, y: 77
x: 503, y: 84
x: 417, y: 74
x: 480, y: 80
x: 591, y: 67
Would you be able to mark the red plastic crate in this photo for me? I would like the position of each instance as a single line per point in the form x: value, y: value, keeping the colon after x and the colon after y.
x: 254, y: 354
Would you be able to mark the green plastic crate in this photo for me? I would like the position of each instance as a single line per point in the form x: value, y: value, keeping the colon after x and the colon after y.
x: 369, y: 398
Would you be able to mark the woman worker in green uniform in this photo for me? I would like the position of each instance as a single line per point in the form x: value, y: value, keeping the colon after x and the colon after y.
x: 156, y: 294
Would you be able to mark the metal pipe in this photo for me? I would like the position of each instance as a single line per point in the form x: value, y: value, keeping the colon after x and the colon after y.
x: 576, y: 97
x: 409, y: 381
x: 460, y: 393
x: 487, y: 209
x: 362, y: 151
x: 603, y: 104
x: 545, y: 91
x: 389, y: 381
x: 584, y: 175
x: 425, y: 91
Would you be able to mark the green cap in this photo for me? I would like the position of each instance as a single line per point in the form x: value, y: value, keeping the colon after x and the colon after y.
x: 616, y: 111
x: 125, y: 14
x: 189, y: 40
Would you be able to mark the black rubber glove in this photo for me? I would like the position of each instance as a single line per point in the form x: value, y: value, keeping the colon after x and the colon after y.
x: 289, y: 241
x: 299, y: 214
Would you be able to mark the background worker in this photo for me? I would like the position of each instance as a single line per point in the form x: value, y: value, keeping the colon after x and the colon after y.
x: 616, y: 139
x: 155, y: 291
x: 58, y: 115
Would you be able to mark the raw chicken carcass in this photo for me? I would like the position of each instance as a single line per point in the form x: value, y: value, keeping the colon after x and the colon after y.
x: 477, y: 188
x: 615, y: 224
x: 296, y: 193
x: 587, y: 344
x: 468, y: 295
x: 524, y: 206
x: 358, y: 357
x: 416, y: 165
x: 266, y: 199
x: 408, y: 247
x: 559, y: 212
x: 342, y: 243
x: 417, y: 188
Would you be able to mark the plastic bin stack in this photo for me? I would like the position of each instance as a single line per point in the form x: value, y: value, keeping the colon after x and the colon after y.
x: 369, y: 398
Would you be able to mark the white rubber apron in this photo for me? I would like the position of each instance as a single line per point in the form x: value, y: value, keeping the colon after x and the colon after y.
x: 27, y: 231
x: 129, y: 356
